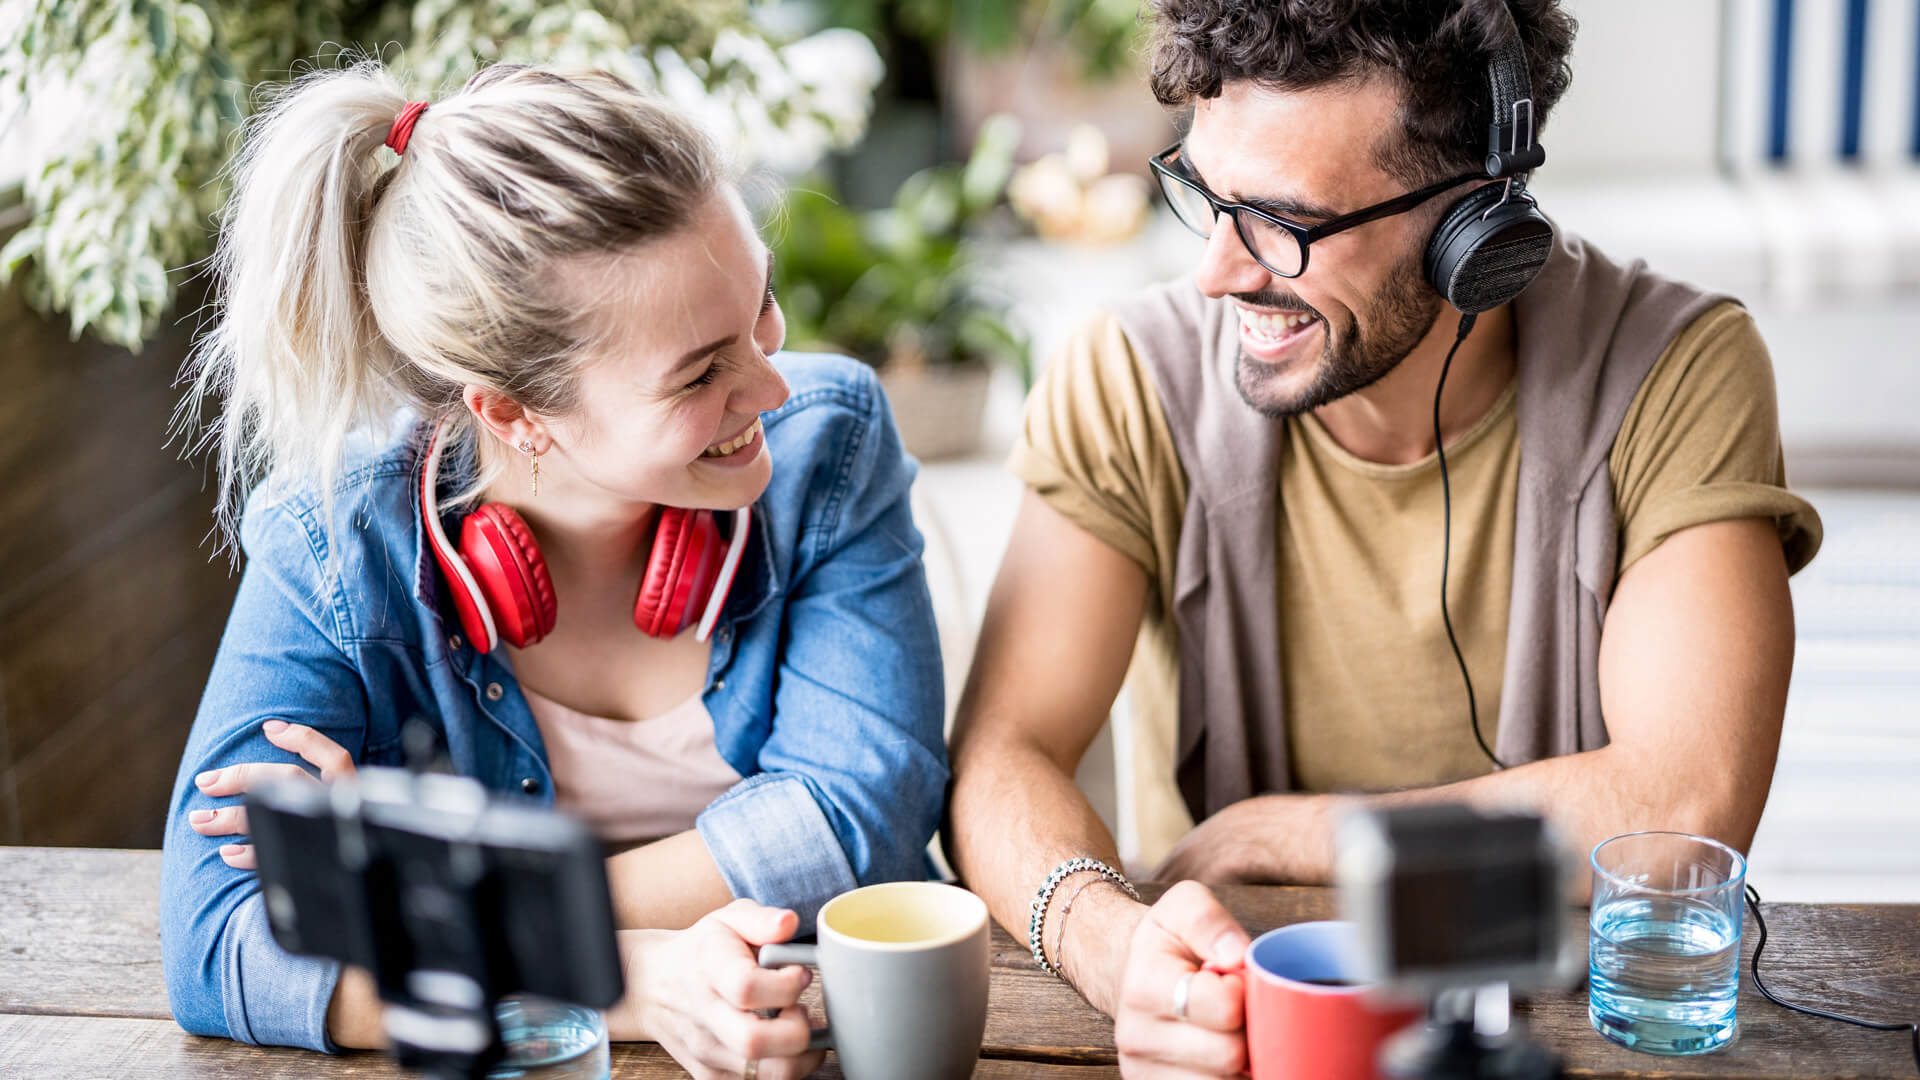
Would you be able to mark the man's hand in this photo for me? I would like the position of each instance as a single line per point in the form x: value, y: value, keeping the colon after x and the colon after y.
x: 1186, y: 936
x: 1271, y: 839
x: 1225, y: 849
x: 1218, y: 851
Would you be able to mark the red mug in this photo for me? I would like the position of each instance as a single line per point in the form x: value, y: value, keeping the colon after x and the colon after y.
x: 1307, y: 1019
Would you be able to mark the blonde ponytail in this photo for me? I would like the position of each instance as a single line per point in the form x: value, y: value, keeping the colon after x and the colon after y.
x: 356, y: 288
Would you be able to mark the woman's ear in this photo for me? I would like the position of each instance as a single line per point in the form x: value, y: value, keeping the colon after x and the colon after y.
x: 505, y: 418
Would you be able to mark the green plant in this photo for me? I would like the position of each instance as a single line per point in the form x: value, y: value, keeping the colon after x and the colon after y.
x: 1103, y: 33
x: 136, y: 104
x: 900, y: 286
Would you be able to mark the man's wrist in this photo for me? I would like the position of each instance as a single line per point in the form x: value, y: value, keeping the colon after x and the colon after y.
x: 1050, y: 898
x: 1095, y: 940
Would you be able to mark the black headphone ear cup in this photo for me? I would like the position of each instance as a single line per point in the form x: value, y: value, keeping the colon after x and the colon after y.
x: 1485, y: 252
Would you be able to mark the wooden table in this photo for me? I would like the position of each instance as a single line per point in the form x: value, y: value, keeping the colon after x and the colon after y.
x: 81, y: 993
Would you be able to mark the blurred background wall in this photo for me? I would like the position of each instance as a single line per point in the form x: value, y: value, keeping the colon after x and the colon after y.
x: 971, y: 188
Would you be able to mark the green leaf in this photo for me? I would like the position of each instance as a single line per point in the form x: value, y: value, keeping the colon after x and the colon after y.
x: 25, y: 245
x: 991, y: 163
x: 159, y: 29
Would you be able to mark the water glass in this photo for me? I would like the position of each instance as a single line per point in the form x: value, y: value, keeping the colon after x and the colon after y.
x: 1664, y: 942
x: 551, y: 1040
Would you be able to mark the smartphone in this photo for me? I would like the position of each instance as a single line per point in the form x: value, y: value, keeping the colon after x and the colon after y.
x: 430, y: 883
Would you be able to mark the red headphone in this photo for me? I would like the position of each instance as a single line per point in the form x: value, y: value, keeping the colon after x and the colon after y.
x: 501, y: 587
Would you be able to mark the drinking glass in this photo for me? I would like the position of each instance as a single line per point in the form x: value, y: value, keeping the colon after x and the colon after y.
x: 1664, y: 942
x: 551, y: 1040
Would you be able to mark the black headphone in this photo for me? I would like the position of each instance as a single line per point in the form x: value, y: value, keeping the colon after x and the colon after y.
x: 1491, y: 244
x: 1486, y: 250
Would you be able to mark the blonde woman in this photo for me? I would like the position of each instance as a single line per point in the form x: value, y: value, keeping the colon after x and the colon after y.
x: 537, y: 475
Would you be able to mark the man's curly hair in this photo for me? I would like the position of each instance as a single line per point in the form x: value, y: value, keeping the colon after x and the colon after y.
x: 1434, y: 51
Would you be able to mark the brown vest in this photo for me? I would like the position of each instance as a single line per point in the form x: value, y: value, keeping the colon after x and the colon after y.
x: 1588, y: 332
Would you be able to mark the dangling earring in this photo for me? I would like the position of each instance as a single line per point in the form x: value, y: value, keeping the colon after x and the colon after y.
x: 526, y: 447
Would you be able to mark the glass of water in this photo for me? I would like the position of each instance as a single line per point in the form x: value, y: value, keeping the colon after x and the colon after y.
x: 1664, y: 942
x: 551, y: 1040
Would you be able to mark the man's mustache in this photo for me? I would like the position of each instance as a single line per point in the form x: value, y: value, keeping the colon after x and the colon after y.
x: 1275, y: 301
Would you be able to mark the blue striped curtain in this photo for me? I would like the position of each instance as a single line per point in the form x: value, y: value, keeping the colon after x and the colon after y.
x: 1852, y: 100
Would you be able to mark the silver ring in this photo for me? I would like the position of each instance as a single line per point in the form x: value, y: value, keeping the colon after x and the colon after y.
x: 752, y: 1070
x: 1181, y: 991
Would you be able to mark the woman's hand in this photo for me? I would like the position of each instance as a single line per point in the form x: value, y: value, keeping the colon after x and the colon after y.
x: 699, y: 993
x: 323, y: 753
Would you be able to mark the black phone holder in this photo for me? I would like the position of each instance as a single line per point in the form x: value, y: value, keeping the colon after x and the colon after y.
x: 451, y: 897
x: 1459, y: 908
x: 1449, y: 1046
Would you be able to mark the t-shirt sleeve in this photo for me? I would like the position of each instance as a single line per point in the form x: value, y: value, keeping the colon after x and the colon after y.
x: 1701, y: 443
x: 1094, y: 444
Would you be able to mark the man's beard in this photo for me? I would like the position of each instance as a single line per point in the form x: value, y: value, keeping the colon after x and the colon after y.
x: 1401, y: 315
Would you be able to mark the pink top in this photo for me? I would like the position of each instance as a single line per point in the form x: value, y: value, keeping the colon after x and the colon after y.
x: 633, y: 781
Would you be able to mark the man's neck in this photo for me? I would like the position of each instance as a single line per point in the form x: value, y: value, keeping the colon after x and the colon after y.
x: 1391, y: 422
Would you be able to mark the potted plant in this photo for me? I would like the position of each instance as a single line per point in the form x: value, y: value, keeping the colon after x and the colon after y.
x: 131, y: 107
x: 900, y: 289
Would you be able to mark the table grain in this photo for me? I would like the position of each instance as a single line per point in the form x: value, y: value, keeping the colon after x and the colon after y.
x: 81, y: 992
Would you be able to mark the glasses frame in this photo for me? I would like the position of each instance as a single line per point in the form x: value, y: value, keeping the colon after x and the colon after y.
x: 1168, y: 167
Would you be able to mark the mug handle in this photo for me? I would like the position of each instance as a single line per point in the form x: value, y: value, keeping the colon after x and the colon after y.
x: 779, y: 956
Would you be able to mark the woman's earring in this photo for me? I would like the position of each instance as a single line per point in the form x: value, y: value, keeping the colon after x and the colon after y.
x: 526, y: 447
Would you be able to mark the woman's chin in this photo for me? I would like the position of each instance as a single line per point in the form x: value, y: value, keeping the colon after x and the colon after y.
x: 730, y: 488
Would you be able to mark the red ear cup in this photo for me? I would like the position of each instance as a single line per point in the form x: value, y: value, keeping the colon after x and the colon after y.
x: 685, y: 562
x: 502, y: 590
x: 699, y: 568
x: 464, y: 603
x: 506, y: 563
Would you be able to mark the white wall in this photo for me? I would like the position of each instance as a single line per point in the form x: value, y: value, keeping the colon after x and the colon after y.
x: 1632, y: 61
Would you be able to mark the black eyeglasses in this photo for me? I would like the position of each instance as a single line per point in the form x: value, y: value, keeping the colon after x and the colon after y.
x: 1274, y: 242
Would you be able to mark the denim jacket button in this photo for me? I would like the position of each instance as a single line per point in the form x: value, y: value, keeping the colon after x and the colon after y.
x: 719, y: 684
x: 455, y: 643
x: 530, y: 785
x: 495, y: 692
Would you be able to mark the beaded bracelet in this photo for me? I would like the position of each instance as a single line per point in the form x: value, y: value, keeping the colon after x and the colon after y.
x: 1066, y: 911
x: 1037, y: 920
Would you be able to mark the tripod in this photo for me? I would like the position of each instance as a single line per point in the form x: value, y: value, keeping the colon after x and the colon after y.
x: 1469, y: 1035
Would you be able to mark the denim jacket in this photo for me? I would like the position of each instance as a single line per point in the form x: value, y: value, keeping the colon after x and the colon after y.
x: 824, y: 687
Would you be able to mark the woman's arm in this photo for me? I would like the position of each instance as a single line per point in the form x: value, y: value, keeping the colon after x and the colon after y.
x: 854, y: 770
x: 225, y: 975
x: 669, y: 884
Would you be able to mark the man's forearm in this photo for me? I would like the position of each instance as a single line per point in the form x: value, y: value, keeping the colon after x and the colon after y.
x: 1695, y: 658
x: 1015, y: 816
x: 1588, y: 797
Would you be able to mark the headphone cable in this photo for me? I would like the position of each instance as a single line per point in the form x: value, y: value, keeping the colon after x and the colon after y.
x: 1473, y: 715
x: 1446, y: 542
x: 1753, y: 904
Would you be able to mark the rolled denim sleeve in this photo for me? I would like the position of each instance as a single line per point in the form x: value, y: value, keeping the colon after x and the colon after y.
x: 773, y: 842
x: 279, y: 659
x: 854, y: 769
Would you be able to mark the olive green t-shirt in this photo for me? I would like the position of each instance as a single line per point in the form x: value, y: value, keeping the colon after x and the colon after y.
x: 1372, y: 692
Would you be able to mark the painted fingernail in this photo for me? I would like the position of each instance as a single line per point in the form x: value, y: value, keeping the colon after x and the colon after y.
x: 275, y: 727
x: 207, y: 777
x: 200, y: 817
x: 232, y: 849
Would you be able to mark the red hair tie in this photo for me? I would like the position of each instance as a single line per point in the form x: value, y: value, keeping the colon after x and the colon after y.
x: 403, y: 126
